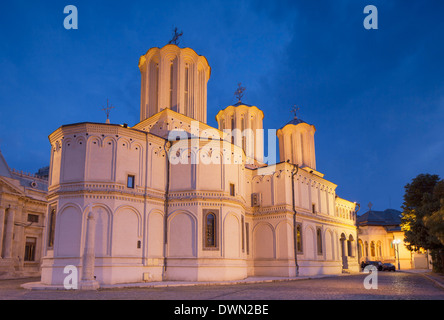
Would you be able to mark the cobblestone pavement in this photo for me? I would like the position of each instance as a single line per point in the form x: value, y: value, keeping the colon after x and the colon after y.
x: 393, y: 285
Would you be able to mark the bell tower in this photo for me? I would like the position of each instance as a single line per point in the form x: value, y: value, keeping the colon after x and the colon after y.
x: 174, y: 78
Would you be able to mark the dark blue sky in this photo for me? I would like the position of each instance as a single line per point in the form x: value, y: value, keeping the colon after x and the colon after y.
x: 375, y: 96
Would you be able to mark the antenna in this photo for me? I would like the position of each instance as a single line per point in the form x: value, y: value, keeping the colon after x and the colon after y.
x: 107, y: 110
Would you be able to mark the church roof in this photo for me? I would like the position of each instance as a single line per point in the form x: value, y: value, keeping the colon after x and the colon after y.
x: 4, y: 168
x: 240, y: 103
x: 294, y: 121
x: 388, y: 217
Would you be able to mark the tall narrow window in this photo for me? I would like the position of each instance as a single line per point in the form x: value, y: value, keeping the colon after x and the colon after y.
x: 131, y: 181
x: 186, y: 91
x: 243, y: 233
x: 299, y: 238
x: 232, y: 129
x: 319, y: 240
x: 51, y: 228
x: 156, y: 92
x: 30, y: 246
x: 171, y: 85
x: 247, y: 236
x: 210, y: 232
x: 313, y: 208
x: 232, y: 190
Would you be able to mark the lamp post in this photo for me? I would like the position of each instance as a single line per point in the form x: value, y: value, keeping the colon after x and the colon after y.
x: 397, y: 242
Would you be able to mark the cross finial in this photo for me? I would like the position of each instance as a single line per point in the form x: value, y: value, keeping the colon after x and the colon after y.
x: 239, y: 93
x: 176, y: 36
x: 370, y: 205
x: 107, y: 110
x: 295, y: 110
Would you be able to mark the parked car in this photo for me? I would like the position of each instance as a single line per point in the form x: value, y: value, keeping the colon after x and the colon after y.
x: 377, y: 264
x: 388, y: 267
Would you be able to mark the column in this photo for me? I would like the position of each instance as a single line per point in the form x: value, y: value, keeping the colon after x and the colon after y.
x: 8, y: 231
x: 88, y: 282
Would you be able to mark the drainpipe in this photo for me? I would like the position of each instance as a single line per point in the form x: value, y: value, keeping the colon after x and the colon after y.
x: 166, y: 148
x: 293, y: 173
x: 358, y: 253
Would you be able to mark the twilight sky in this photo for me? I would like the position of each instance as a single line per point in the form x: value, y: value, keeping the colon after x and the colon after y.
x: 376, y: 97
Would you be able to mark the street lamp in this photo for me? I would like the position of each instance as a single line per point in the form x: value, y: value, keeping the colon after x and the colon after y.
x: 397, y: 242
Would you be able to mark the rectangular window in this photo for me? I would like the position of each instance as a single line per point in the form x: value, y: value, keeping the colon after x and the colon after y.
x: 313, y: 208
x: 131, y: 181
x: 30, y: 249
x: 33, y: 218
x: 232, y: 190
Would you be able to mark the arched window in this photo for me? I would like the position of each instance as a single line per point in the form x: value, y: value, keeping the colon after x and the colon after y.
x: 51, y: 228
x: 350, y: 246
x: 210, y: 230
x: 319, y: 240
x: 299, y: 238
x: 372, y: 249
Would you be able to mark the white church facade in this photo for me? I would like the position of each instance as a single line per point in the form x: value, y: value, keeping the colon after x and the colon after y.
x: 173, y: 198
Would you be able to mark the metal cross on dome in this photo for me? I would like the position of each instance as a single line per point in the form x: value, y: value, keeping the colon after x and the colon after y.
x: 107, y: 110
x: 176, y: 36
x: 239, y: 93
x: 295, y: 111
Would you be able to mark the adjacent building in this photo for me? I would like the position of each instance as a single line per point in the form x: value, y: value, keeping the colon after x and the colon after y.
x: 381, y: 239
x: 23, y: 210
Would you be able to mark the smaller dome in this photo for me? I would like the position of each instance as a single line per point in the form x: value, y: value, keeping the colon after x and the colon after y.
x: 242, y: 104
x: 295, y: 121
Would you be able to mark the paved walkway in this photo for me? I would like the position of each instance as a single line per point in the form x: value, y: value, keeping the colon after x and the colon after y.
x: 438, y: 279
x: 163, y: 284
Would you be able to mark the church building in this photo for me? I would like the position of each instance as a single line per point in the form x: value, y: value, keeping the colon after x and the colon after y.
x: 172, y: 198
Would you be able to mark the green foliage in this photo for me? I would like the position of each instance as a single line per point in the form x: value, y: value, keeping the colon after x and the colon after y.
x: 423, y: 216
x: 435, y: 223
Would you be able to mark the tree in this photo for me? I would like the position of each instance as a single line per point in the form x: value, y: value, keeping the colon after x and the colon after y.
x: 422, y: 211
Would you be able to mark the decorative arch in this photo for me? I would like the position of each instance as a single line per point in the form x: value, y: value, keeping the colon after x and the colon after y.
x: 329, y: 245
x: 310, y: 242
x: 264, y: 241
x: 284, y: 240
x: 126, y: 232
x: 155, y: 233
x: 231, y: 235
x: 182, y: 234
x: 68, y: 233
x: 103, y: 218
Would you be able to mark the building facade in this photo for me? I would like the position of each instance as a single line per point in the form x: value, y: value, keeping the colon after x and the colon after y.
x: 381, y: 239
x: 173, y: 198
x: 23, y: 211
